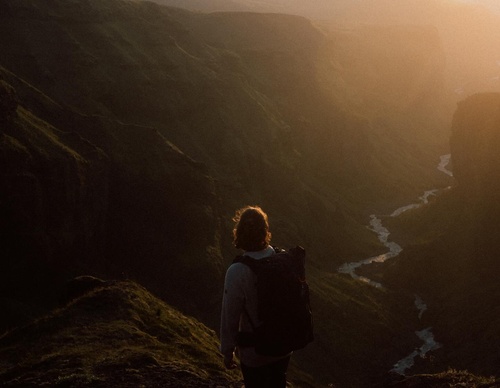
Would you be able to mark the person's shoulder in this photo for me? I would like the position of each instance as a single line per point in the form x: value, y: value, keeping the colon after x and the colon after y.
x: 257, y: 255
x: 239, y: 274
x: 237, y: 268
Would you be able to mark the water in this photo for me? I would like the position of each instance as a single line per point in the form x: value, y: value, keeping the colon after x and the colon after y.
x: 443, y: 164
x: 429, y: 345
x: 383, y: 236
x: 394, y: 249
x: 420, y: 305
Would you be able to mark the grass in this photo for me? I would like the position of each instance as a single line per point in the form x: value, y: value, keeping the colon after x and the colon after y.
x: 117, y: 335
x: 360, y: 330
x: 450, y: 379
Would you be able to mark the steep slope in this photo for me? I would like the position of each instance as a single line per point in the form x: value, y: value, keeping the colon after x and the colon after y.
x: 317, y: 10
x: 153, y: 124
x: 452, y: 256
x: 358, y: 111
x: 159, y: 73
x: 212, y: 89
x: 116, y: 335
x: 107, y: 203
x: 360, y: 332
x: 469, y: 29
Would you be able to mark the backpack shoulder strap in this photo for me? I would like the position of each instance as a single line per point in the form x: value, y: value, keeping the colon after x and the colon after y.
x: 252, y: 264
x: 277, y: 249
x: 248, y: 261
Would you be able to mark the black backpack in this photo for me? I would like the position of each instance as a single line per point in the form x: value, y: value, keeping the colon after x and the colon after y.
x: 283, y: 303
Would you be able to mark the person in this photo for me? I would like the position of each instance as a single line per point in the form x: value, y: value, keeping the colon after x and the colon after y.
x: 239, y: 305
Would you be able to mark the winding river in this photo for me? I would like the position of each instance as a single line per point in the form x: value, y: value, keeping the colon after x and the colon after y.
x: 394, y: 249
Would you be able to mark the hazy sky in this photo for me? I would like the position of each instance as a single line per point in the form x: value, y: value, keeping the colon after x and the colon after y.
x: 492, y: 4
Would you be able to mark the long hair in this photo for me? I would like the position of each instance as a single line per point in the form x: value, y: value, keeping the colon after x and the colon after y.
x: 251, y: 229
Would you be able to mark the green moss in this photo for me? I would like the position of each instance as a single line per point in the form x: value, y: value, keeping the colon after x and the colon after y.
x: 44, y: 136
x: 120, y: 328
x: 451, y: 378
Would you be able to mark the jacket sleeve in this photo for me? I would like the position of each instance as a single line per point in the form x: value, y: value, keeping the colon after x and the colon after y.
x: 233, y: 302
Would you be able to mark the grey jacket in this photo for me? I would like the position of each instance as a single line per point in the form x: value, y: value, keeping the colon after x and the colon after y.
x: 240, y: 295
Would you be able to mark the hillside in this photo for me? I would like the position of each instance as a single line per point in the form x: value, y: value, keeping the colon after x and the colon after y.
x: 246, y: 133
x: 468, y: 30
x: 452, y: 256
x: 468, y: 33
x: 65, y: 196
x: 130, y: 132
x: 116, y: 335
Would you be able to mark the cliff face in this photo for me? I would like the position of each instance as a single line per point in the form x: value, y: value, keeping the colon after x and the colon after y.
x: 177, y: 118
x: 451, y: 253
x: 109, y: 203
x: 475, y: 146
x: 475, y: 143
x: 259, y: 99
x: 50, y: 180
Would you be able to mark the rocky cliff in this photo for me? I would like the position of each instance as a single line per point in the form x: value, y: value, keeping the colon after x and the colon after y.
x: 73, y: 202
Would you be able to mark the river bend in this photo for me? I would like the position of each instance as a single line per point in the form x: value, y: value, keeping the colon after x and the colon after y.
x: 394, y: 249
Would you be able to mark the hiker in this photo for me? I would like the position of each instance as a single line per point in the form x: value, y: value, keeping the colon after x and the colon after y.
x: 240, y: 307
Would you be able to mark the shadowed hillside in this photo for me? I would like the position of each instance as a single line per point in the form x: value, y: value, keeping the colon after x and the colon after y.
x: 78, y: 203
x: 118, y: 335
x: 452, y: 256
x: 130, y: 132
x: 247, y: 133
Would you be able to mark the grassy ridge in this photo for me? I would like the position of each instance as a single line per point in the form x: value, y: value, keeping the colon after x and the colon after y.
x: 117, y: 335
x: 121, y: 335
x: 450, y: 379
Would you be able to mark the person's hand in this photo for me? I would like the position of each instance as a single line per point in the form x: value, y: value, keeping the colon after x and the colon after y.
x: 229, y: 362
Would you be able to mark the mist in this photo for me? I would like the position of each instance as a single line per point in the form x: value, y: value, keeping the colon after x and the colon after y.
x: 469, y: 29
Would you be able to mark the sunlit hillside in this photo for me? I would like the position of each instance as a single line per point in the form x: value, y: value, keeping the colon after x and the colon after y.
x: 469, y: 35
x: 469, y: 29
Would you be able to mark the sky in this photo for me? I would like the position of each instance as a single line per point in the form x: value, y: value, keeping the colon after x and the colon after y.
x: 491, y: 4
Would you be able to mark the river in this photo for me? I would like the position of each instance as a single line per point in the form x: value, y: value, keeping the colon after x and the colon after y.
x: 394, y: 249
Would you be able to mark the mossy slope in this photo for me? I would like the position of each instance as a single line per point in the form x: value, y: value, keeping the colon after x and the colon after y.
x: 117, y: 335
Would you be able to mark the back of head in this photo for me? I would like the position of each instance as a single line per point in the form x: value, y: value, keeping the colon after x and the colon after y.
x: 251, y: 229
